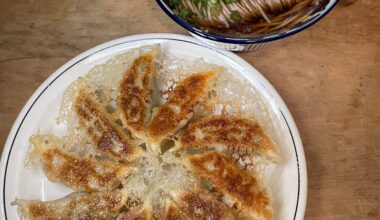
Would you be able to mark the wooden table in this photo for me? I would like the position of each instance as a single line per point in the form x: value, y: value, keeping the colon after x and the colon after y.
x: 329, y: 76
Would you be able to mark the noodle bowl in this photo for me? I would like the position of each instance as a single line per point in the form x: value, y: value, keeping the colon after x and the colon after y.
x: 244, y: 16
x: 242, y: 22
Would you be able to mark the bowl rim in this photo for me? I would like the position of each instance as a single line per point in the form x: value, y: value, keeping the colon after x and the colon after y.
x: 214, y: 37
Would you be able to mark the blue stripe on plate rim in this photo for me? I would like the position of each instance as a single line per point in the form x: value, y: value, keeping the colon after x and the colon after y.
x: 328, y: 7
x: 100, y: 48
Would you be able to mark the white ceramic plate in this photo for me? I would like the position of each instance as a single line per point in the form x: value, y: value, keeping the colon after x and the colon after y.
x: 287, y: 180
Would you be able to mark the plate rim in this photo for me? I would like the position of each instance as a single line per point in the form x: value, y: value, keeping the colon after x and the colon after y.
x: 298, y: 146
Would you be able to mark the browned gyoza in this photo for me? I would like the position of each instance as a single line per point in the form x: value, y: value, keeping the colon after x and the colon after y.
x: 75, y: 171
x: 201, y: 205
x: 135, y: 214
x: 134, y: 99
x: 145, y: 212
x: 227, y: 132
x: 177, y: 110
x: 172, y: 213
x: 238, y: 187
x: 105, y: 134
x: 99, y: 206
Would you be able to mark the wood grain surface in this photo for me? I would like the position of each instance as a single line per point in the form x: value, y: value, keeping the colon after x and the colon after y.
x: 328, y: 75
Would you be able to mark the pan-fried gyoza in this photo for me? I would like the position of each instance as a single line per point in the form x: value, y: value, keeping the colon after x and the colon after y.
x: 201, y: 205
x: 135, y: 90
x: 227, y: 132
x: 237, y: 186
x: 98, y: 205
x: 75, y: 171
x: 178, y: 109
x: 107, y: 137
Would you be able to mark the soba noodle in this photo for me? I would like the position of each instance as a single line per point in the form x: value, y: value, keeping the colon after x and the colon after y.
x: 244, y: 17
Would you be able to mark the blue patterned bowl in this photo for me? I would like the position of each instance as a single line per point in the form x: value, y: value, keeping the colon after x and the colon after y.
x: 246, y: 44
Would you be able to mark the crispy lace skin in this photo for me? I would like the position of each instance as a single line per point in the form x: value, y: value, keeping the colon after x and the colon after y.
x: 77, y: 172
x: 96, y: 206
x: 227, y: 132
x: 177, y: 110
x: 238, y: 186
x: 114, y: 158
x: 134, y: 99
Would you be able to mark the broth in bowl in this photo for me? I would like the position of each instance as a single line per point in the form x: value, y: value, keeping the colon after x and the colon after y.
x: 244, y: 18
